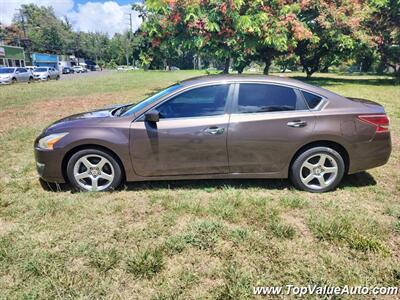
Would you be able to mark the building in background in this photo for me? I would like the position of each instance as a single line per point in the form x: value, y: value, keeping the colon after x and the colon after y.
x: 11, y: 56
x: 45, y: 60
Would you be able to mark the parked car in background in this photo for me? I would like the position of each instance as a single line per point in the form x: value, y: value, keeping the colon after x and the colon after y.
x: 45, y: 73
x: 127, y: 68
x: 93, y: 67
x: 30, y: 68
x: 13, y: 75
x: 122, y: 68
x: 79, y: 69
x: 67, y: 70
x: 219, y: 127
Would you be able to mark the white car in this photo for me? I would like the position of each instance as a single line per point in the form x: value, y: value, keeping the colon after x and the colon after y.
x: 13, y: 75
x: 79, y: 69
x: 45, y: 73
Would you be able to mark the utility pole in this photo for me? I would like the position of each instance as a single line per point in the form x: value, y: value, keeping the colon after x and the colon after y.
x: 129, y: 38
x: 25, y: 42
x: 130, y: 23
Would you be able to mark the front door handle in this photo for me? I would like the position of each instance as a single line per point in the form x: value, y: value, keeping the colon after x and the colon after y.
x: 215, y: 130
x: 297, y: 124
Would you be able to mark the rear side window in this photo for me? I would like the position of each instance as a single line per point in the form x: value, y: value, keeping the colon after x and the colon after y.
x: 311, y: 99
x: 255, y: 98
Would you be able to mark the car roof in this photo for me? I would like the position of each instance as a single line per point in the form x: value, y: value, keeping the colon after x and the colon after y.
x: 209, y: 79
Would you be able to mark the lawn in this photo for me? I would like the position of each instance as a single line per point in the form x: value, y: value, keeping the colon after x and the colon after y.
x: 183, y: 240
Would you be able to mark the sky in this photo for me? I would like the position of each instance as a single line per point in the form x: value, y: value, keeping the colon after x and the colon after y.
x: 107, y: 16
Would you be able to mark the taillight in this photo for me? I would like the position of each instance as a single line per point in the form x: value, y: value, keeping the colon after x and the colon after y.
x: 380, y: 121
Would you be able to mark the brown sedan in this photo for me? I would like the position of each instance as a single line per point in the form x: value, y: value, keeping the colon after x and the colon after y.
x: 219, y: 127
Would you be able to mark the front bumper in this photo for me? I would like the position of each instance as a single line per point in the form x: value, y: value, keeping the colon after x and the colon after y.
x: 40, y: 77
x: 49, y: 165
x: 5, y: 81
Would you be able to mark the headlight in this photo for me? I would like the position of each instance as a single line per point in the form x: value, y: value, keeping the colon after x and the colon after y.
x: 48, y: 142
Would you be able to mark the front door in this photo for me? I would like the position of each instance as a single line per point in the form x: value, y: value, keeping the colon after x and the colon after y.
x: 190, y: 137
x: 268, y: 124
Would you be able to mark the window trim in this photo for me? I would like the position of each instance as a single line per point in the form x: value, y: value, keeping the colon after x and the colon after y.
x: 176, y: 93
x: 299, y: 95
x: 321, y: 105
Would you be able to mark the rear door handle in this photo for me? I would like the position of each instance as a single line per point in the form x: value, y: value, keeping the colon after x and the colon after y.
x: 214, y: 130
x: 297, y: 123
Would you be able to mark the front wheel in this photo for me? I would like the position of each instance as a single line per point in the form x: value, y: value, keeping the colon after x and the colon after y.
x: 317, y: 170
x: 94, y: 170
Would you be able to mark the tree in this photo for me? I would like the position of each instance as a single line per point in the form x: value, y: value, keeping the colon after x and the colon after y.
x: 272, y: 28
x: 45, y: 31
x: 385, y: 25
x: 336, y: 26
x: 241, y: 30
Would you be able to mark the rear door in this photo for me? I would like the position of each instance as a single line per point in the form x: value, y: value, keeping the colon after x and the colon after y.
x: 269, y: 122
x: 190, y: 137
x: 22, y: 74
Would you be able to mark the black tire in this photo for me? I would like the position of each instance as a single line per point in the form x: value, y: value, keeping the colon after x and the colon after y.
x: 14, y: 80
x: 296, y: 169
x: 58, y: 77
x: 30, y: 80
x: 115, y: 183
x: 48, y: 78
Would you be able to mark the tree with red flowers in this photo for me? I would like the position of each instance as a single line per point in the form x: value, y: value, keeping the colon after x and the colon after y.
x: 238, y: 30
x: 337, y: 26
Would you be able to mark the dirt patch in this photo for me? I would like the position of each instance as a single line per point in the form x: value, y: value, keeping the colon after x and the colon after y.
x: 51, y: 110
x: 5, y: 227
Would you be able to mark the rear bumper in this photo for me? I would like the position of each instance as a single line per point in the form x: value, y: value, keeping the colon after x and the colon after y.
x: 49, y: 165
x: 371, y: 154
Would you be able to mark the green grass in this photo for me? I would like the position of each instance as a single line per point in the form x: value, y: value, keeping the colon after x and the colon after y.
x: 202, y: 239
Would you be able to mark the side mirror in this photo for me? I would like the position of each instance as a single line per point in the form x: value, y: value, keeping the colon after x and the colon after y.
x: 152, y: 116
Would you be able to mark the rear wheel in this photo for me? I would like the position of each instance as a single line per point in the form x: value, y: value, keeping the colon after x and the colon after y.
x: 317, y: 170
x: 94, y: 170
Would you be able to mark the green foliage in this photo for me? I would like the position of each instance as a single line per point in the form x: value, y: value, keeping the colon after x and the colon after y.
x: 238, y: 30
x: 343, y: 229
x: 146, y: 263
x: 204, y: 235
x: 336, y: 26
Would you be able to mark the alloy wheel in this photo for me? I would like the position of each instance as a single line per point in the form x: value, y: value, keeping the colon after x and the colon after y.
x: 93, y: 172
x: 319, y: 171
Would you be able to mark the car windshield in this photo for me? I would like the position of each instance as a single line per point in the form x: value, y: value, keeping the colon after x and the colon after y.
x: 6, y: 70
x: 134, y: 108
x: 41, y: 70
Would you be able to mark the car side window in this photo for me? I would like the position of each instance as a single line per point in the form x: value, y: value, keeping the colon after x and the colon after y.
x: 202, y: 101
x: 254, y: 98
x: 311, y: 99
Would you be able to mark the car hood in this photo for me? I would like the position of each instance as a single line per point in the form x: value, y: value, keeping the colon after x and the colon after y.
x: 5, y: 75
x: 86, y: 118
